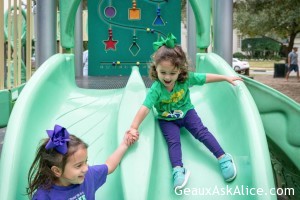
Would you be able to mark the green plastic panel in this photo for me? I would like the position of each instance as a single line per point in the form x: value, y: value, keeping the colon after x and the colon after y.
x: 100, y: 118
x: 15, y: 92
x: 121, y: 35
x: 68, y: 9
x: 7, y: 101
x: 5, y: 107
x: 202, y: 12
x: 280, y: 116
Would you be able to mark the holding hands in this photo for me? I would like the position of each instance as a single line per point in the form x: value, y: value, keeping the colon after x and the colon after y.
x: 131, y: 136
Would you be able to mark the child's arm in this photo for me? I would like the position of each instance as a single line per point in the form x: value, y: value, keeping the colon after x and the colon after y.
x: 138, y: 119
x: 210, y: 78
x: 114, y: 159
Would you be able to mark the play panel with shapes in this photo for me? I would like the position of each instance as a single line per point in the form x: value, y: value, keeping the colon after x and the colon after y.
x: 121, y: 33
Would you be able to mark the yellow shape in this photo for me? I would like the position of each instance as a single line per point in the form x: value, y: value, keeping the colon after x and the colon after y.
x: 177, y: 96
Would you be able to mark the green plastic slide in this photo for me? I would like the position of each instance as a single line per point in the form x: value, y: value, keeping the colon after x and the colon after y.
x: 280, y: 116
x: 100, y: 117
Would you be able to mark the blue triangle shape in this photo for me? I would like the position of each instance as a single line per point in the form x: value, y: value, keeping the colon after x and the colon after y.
x: 158, y: 21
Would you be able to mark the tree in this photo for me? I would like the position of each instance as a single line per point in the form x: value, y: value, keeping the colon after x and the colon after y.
x: 276, y: 19
x: 261, y: 47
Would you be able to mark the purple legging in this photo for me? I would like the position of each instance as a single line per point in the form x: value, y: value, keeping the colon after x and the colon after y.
x: 193, y: 123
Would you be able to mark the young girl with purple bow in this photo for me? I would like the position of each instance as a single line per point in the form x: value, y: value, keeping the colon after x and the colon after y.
x: 170, y: 95
x: 60, y: 169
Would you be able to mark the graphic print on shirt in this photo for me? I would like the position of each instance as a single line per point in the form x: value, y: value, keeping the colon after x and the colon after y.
x: 79, y: 196
x: 177, y: 96
x: 174, y: 98
x: 173, y: 114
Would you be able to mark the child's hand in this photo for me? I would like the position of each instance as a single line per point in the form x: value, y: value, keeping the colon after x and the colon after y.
x: 134, y: 134
x: 131, y: 136
x: 231, y: 79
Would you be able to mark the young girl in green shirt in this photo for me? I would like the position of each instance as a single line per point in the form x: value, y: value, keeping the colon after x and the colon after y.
x: 170, y: 95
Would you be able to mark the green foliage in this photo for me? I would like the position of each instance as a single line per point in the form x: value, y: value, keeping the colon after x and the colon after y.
x: 261, y: 47
x: 239, y: 55
x: 260, y: 44
x: 276, y: 58
x: 272, y: 18
x: 85, y: 45
x: 84, y: 4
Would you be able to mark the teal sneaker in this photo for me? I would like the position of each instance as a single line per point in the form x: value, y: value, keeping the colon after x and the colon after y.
x: 228, y: 168
x: 180, y: 177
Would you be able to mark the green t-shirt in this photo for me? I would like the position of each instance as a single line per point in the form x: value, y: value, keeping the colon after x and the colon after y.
x: 175, y: 104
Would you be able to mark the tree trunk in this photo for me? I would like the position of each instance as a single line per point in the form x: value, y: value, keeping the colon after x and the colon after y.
x: 291, y: 42
x: 291, y: 45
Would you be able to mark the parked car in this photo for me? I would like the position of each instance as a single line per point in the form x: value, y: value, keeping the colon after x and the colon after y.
x: 238, y: 65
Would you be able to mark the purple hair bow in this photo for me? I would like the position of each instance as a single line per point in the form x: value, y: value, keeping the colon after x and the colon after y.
x: 58, y: 139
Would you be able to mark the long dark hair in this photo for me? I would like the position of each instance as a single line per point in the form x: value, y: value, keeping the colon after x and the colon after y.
x: 176, y: 56
x: 40, y: 173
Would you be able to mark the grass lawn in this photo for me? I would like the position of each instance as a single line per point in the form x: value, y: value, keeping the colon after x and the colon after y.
x: 264, y: 64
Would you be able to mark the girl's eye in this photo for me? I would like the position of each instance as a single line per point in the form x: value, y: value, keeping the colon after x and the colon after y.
x: 78, y: 166
x: 81, y: 164
x: 163, y: 72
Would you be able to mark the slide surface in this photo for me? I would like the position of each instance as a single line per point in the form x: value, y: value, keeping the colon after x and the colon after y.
x: 280, y: 116
x: 100, y: 117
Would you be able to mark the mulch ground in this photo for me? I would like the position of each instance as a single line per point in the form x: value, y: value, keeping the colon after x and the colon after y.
x: 290, y: 88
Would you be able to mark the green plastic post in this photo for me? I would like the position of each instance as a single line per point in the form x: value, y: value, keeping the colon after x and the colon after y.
x: 202, y: 12
x: 68, y: 9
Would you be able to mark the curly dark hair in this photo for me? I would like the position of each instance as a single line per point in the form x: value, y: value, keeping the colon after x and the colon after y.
x: 40, y: 173
x: 176, y: 56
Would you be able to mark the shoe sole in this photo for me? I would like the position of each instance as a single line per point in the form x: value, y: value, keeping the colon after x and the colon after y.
x: 234, y: 167
x: 186, y: 178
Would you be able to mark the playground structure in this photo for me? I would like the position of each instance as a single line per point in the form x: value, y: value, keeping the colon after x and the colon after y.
x: 20, y: 45
x: 17, y: 40
x: 100, y: 117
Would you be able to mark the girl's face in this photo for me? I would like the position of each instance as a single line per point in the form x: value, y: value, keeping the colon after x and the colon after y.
x: 75, y: 169
x: 167, y: 74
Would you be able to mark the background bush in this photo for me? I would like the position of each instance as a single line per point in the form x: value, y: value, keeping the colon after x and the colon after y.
x: 239, y: 55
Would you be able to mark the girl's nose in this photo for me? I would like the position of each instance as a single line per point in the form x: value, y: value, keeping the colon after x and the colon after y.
x: 85, y: 168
